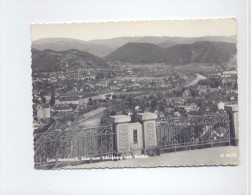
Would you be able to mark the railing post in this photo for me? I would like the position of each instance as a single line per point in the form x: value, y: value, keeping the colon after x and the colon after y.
x: 122, y: 133
x: 232, y: 111
x: 149, y: 129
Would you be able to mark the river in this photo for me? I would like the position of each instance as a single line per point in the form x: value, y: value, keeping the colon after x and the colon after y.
x: 196, y: 80
x: 91, y: 119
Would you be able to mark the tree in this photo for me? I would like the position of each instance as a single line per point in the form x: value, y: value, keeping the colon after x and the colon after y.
x: 134, y: 117
x: 43, y: 99
x: 100, y: 76
x: 90, y: 102
x: 73, y: 106
x: 113, y: 113
x: 52, y: 101
x: 95, y: 102
x: 72, y: 118
x: 194, y: 92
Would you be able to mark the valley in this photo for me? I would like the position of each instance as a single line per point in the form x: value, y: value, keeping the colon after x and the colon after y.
x: 170, y: 80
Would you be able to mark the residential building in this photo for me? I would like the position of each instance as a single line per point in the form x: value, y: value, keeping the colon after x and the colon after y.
x: 221, y: 105
x: 43, y: 112
x: 186, y: 93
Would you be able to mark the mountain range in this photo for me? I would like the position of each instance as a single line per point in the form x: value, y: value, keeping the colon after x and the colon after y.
x: 198, y: 52
x: 103, y: 47
x: 172, y: 51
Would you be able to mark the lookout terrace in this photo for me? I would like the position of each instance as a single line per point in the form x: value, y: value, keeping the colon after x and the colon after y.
x: 150, y: 139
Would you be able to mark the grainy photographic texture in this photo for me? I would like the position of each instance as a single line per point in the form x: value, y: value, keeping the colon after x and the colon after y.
x: 135, y: 94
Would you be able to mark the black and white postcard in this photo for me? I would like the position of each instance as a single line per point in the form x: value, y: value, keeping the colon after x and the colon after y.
x: 135, y: 94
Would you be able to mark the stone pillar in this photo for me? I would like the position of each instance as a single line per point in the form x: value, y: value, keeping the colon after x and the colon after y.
x: 149, y: 129
x: 122, y: 142
x: 232, y: 111
x: 136, y: 138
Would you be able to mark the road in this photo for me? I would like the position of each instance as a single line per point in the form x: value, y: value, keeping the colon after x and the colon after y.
x: 91, y: 119
x: 196, y: 80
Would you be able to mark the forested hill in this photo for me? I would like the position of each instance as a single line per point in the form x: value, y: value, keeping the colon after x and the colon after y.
x: 48, y: 60
x: 198, y: 52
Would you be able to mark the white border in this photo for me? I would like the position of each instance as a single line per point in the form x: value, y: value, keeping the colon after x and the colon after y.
x: 17, y: 174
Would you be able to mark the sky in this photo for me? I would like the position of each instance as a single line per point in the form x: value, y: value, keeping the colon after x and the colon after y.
x: 106, y: 30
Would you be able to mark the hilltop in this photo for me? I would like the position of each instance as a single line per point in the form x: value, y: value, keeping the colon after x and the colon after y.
x: 48, y: 60
x: 136, y: 53
x: 103, y: 47
x: 181, y: 54
x: 64, y: 44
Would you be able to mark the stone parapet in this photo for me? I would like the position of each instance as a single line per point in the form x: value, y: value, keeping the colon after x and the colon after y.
x: 149, y: 128
x: 122, y: 138
x: 121, y: 119
x: 147, y: 116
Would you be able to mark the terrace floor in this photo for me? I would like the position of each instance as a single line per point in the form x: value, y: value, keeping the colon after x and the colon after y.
x: 226, y: 155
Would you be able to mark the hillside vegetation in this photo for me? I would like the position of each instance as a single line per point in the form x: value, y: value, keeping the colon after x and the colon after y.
x: 48, y: 60
x: 198, y: 52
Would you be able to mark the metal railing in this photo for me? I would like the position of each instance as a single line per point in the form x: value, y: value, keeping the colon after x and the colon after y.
x: 192, y: 132
x: 173, y: 134
x: 53, y: 149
